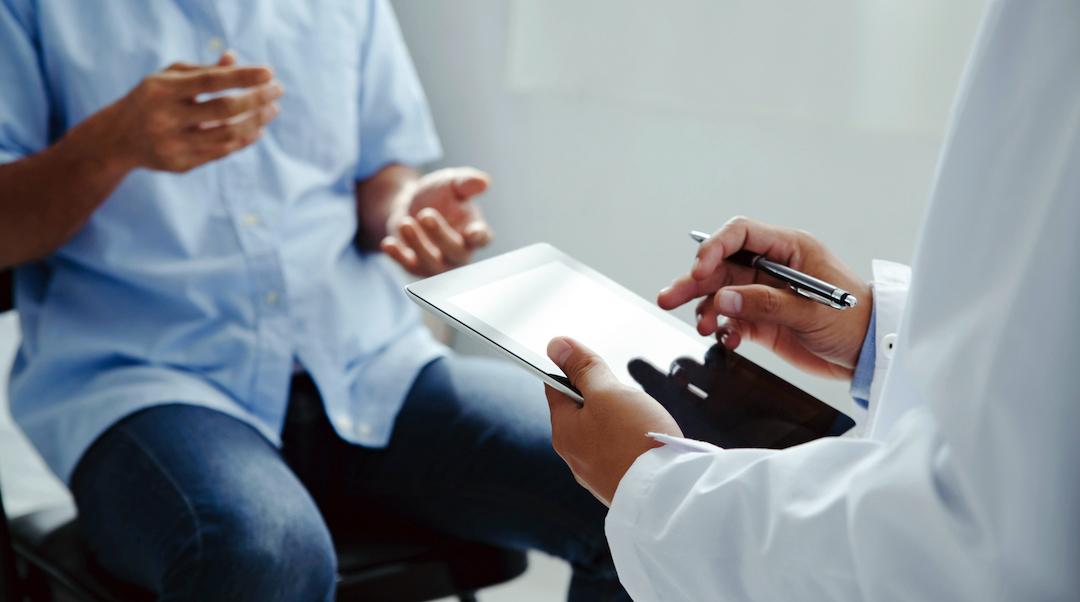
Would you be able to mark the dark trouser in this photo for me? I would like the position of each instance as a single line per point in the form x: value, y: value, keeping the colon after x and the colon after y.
x: 196, y: 505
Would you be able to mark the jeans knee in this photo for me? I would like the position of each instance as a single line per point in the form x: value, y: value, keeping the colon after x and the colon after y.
x: 245, y: 554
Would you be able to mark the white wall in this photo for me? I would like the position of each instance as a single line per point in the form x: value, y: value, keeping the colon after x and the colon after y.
x: 614, y: 126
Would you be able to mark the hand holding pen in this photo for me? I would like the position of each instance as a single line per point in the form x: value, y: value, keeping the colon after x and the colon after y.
x: 759, y: 303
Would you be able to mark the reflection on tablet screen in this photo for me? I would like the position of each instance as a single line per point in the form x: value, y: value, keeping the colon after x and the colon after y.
x: 553, y: 299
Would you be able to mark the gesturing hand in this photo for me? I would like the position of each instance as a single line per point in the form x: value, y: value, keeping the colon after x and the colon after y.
x: 439, y: 225
x: 816, y: 338
x: 163, y: 124
x: 601, y: 439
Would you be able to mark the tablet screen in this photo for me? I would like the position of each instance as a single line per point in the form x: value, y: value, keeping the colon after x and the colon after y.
x: 553, y: 299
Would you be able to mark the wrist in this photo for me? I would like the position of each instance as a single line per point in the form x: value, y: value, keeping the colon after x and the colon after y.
x: 105, y: 139
x: 382, y: 201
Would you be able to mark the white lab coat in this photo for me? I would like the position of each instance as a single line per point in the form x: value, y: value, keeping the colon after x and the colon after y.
x: 967, y: 484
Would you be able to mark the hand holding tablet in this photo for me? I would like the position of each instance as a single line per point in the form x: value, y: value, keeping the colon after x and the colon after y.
x: 519, y: 301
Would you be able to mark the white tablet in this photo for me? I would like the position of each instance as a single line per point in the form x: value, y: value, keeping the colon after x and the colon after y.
x: 519, y: 301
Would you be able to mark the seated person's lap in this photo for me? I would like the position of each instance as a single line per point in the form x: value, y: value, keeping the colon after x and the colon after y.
x: 178, y: 496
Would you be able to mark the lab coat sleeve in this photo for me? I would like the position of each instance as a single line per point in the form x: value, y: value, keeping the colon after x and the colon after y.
x: 835, y: 519
x: 965, y: 498
x: 890, y: 285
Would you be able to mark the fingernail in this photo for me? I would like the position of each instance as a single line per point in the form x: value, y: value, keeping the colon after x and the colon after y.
x: 665, y: 290
x: 729, y: 302
x: 558, y: 350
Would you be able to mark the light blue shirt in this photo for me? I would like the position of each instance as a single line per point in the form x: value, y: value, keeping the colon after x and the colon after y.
x: 863, y: 375
x: 206, y: 287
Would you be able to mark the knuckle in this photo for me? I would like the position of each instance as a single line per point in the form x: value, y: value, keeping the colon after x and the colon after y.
x: 739, y: 221
x: 164, y: 149
x: 580, y: 364
x: 586, y: 368
x: 232, y: 105
x: 805, y: 238
x: 152, y: 86
x: 158, y: 122
x: 771, y: 302
x: 176, y: 165
x: 217, y: 108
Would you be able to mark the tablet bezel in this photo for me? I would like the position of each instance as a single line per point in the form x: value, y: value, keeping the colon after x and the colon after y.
x: 434, y: 294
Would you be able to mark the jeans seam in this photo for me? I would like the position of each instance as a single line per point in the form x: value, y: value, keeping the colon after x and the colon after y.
x: 197, y: 535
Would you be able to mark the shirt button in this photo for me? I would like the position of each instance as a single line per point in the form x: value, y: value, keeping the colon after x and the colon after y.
x: 250, y: 219
x: 888, y: 345
x: 216, y: 44
x: 271, y: 298
x: 364, y: 430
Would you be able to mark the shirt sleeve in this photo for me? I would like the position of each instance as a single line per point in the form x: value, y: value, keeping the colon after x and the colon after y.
x: 24, y: 101
x: 890, y: 285
x: 395, y: 121
x: 864, y: 367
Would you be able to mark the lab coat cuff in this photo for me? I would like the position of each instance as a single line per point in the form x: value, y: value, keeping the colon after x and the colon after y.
x: 891, y: 282
x: 632, y: 497
x: 622, y: 524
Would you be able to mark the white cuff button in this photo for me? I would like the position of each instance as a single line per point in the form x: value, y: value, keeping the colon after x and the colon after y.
x: 888, y: 345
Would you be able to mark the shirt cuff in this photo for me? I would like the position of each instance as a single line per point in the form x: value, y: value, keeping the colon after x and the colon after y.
x: 864, y: 368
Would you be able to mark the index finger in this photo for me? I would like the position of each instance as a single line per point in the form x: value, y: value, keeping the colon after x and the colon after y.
x: 687, y: 288
x: 740, y: 233
x: 217, y: 79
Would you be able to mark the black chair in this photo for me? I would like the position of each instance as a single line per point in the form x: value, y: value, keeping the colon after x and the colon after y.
x: 43, y: 557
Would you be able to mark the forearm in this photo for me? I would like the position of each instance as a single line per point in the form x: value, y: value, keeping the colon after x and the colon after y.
x: 378, y: 197
x: 47, y: 197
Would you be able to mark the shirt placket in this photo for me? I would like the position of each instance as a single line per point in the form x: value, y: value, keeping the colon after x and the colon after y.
x: 255, y: 216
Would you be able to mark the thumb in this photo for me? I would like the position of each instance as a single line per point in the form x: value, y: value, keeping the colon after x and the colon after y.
x: 469, y: 182
x: 228, y: 59
x: 765, y: 304
x: 584, y: 368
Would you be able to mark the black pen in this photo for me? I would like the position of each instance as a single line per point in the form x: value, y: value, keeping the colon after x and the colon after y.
x: 807, y: 286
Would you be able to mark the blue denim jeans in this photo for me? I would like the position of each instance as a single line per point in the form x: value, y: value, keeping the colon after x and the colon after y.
x: 196, y: 505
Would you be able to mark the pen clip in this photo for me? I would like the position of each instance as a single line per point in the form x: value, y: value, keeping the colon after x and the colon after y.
x: 813, y: 295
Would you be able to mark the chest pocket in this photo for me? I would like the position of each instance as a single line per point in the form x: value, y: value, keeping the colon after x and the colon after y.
x: 315, y: 50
